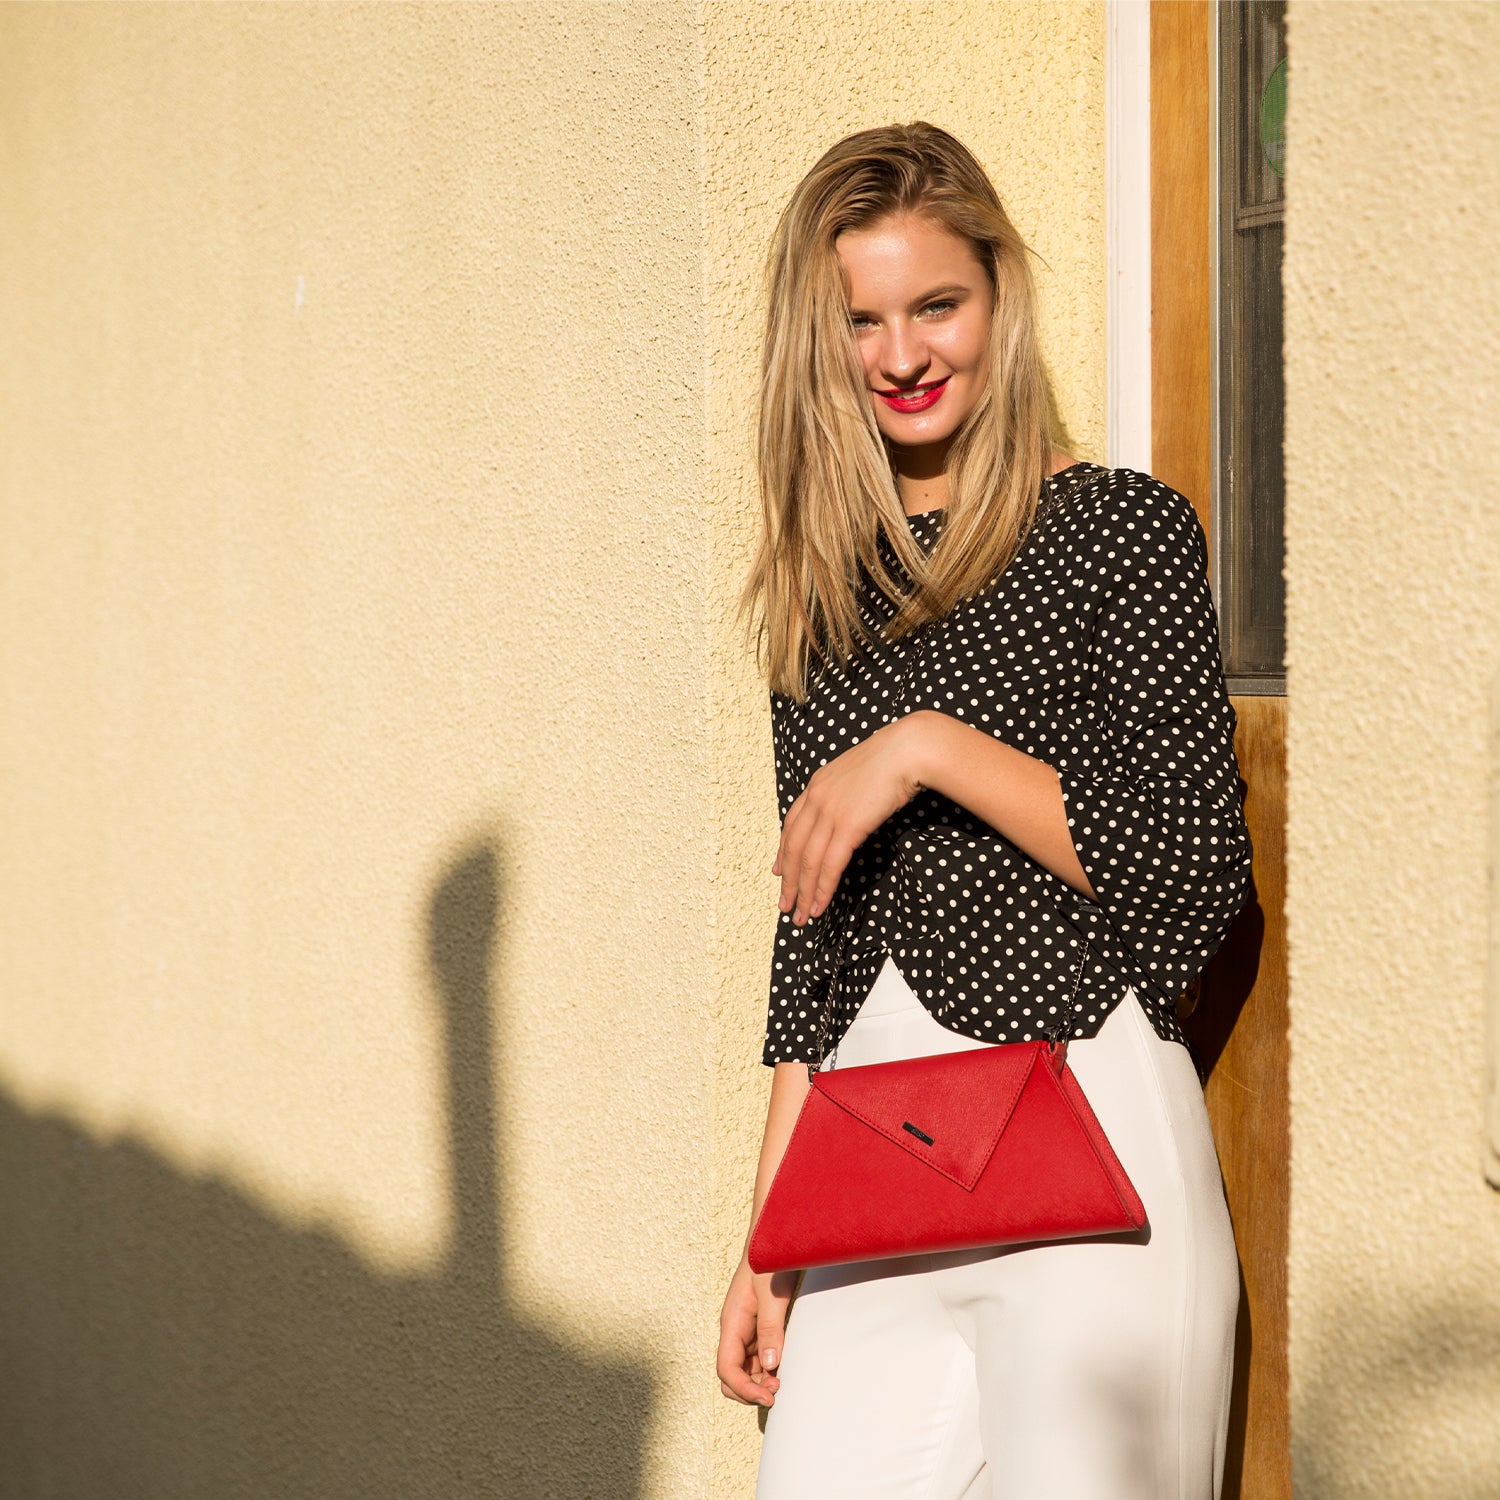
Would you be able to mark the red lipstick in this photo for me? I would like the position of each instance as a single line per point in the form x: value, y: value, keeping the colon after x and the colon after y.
x: 915, y: 398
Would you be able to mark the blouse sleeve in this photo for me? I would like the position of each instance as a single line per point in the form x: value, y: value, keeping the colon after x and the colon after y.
x: 1154, y: 805
x: 789, y: 1035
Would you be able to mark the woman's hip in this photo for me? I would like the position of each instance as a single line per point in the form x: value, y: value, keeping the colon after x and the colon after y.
x: 1144, y: 1091
x: 1093, y: 1366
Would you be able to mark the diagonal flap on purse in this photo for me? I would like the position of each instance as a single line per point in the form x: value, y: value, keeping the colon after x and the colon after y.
x: 948, y: 1110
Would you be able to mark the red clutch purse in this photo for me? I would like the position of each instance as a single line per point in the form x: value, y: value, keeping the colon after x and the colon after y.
x: 994, y: 1146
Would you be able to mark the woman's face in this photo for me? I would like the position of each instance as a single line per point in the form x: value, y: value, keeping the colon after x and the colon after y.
x: 921, y: 305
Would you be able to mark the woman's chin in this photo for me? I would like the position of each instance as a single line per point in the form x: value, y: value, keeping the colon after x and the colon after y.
x: 911, y: 443
x: 919, y: 431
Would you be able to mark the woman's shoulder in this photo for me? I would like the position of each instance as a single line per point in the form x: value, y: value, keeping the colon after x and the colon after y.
x: 1121, y: 506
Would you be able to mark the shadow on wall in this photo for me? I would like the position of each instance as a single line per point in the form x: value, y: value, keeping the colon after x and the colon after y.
x: 1401, y: 1405
x: 163, y: 1337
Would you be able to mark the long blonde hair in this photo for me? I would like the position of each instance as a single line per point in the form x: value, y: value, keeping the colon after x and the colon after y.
x: 827, y: 483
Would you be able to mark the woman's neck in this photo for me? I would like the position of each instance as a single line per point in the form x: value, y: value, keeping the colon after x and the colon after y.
x: 922, y: 476
x: 918, y: 497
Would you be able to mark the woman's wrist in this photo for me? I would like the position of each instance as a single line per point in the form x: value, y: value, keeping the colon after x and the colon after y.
x: 1017, y: 794
x: 924, y: 743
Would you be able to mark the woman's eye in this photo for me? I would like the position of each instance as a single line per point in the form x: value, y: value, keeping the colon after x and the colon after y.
x: 939, y: 308
x: 859, y: 324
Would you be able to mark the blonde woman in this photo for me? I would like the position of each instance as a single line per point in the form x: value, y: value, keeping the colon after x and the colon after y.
x: 1001, y: 729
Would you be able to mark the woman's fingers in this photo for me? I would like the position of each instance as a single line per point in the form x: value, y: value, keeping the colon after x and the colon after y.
x: 813, y: 854
x: 826, y: 881
x: 808, y: 868
x: 794, y: 830
x: 741, y: 1376
x: 734, y: 1368
x: 811, y: 863
x: 770, y: 1331
x: 842, y: 802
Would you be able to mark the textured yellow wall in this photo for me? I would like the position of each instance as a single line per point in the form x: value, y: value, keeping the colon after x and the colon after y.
x: 1023, y: 85
x: 353, y: 753
x: 1393, y: 604
x: 384, y: 903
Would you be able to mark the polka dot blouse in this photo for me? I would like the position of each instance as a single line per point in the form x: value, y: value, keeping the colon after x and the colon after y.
x: 1097, y: 652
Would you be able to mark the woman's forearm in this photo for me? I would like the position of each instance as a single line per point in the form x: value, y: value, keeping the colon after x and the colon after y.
x: 1016, y: 794
x: 789, y: 1085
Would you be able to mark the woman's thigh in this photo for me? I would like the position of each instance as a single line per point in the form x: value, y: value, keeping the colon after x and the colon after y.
x: 1103, y: 1365
x: 878, y: 1397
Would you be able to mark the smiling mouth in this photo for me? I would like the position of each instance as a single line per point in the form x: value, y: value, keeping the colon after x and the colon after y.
x: 915, y: 397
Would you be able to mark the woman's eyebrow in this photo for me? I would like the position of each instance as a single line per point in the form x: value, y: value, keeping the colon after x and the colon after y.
x: 947, y: 290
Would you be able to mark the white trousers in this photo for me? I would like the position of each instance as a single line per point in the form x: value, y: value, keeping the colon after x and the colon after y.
x: 1077, y: 1370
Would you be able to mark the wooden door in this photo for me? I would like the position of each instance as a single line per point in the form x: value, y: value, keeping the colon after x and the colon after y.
x: 1238, y: 1026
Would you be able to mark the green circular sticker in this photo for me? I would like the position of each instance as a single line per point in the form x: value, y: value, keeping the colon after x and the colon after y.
x: 1273, y: 119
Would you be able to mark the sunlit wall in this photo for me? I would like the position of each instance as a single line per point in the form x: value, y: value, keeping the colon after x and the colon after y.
x: 354, y: 990
x: 1393, y: 616
x: 384, y: 894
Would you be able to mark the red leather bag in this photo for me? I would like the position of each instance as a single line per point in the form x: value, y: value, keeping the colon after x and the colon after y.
x: 994, y: 1146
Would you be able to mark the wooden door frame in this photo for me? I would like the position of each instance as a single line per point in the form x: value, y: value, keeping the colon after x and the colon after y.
x: 1160, y: 230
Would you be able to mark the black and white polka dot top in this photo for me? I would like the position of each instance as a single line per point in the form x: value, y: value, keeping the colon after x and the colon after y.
x: 1096, y: 651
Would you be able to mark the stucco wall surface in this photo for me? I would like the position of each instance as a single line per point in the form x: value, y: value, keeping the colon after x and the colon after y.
x: 1393, y: 605
x: 1023, y: 86
x: 385, y: 903
x: 353, y: 746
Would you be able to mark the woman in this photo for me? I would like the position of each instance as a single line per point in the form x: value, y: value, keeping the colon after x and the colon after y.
x: 1001, y: 728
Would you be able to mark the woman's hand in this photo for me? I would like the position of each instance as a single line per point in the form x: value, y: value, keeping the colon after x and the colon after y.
x: 751, y: 1330
x: 842, y: 805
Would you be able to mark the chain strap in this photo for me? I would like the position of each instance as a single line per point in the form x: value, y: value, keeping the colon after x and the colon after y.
x: 921, y: 637
x: 827, y: 1007
x: 1053, y: 1035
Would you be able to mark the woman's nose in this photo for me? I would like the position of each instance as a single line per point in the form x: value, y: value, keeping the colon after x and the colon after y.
x: 902, y: 357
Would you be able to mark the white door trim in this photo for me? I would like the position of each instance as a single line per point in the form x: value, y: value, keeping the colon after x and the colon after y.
x: 1127, y: 233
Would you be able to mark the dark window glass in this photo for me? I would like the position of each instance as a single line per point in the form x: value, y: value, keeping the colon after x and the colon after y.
x: 1250, y: 481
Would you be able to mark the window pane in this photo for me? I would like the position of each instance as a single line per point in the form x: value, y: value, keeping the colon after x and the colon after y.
x: 1249, y: 587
